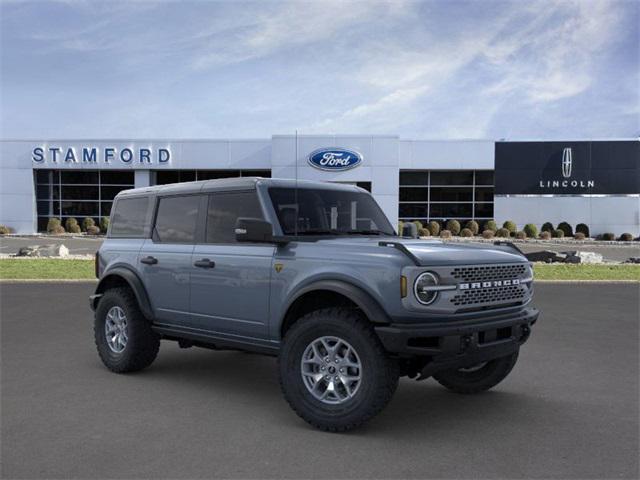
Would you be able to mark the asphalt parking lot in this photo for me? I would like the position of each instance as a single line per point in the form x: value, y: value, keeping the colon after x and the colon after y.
x: 568, y: 410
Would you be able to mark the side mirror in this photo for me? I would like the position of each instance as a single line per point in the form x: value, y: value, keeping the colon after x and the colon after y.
x: 253, y: 230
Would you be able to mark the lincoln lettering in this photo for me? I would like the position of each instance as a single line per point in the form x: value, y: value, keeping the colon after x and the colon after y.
x: 567, y: 183
x: 107, y: 155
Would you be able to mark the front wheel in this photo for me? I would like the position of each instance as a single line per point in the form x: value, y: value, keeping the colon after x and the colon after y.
x: 333, y: 370
x: 477, y: 378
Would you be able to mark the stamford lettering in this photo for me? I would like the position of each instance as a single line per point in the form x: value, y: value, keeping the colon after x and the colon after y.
x: 106, y: 155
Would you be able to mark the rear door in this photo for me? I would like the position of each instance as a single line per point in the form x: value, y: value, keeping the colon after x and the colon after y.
x: 230, y: 281
x: 165, y: 259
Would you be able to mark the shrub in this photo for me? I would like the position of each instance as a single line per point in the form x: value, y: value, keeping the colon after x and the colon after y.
x: 566, y: 228
x: 400, y: 227
x: 583, y: 228
x: 503, y: 233
x: 445, y: 234
x: 579, y: 236
x: 104, y: 224
x: 511, y: 226
x: 466, y: 232
x: 491, y: 225
x: 4, y: 229
x: 453, y: 226
x: 418, y: 224
x: 545, y: 235
x: 473, y: 226
x: 93, y: 230
x: 434, y: 228
x: 547, y: 227
x: 531, y: 230
x: 88, y: 222
x: 488, y: 234
x: 57, y: 230
x: 626, y: 237
x: 424, y: 232
x: 71, y: 225
x: 557, y: 233
x: 608, y: 236
x: 521, y: 235
x: 52, y: 224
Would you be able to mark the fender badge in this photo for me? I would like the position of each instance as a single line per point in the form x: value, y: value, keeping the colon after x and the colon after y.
x: 278, y: 267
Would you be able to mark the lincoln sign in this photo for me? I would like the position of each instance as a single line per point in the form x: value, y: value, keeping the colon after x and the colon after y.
x: 569, y: 168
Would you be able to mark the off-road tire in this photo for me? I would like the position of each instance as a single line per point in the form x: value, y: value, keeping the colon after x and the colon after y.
x: 379, y: 372
x: 480, y: 380
x: 143, y: 343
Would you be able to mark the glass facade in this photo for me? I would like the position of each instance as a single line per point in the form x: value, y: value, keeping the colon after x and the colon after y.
x: 446, y: 194
x: 175, y: 176
x: 79, y: 194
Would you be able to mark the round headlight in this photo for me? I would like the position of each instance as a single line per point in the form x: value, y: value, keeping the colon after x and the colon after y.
x: 423, y: 288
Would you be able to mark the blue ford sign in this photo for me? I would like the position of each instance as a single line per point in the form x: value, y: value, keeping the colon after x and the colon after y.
x: 334, y: 159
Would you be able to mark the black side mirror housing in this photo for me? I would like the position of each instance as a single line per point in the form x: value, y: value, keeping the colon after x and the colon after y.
x: 254, y: 230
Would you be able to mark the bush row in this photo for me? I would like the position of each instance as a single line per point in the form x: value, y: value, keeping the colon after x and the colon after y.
x: 71, y: 225
x: 509, y: 229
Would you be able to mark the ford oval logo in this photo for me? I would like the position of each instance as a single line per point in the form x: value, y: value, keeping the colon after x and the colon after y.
x: 334, y: 159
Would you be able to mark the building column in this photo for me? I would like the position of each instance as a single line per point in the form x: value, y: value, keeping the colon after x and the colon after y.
x: 142, y: 178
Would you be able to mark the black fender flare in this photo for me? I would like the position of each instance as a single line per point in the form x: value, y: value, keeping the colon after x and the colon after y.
x: 365, y: 302
x: 133, y: 280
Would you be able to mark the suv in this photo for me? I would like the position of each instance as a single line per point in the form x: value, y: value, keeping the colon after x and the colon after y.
x: 315, y: 274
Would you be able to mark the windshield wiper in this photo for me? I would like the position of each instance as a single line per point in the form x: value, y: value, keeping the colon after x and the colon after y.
x: 320, y: 232
x: 367, y: 232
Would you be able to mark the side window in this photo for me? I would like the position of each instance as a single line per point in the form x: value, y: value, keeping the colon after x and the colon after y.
x: 224, y: 210
x: 129, y: 217
x: 176, y: 219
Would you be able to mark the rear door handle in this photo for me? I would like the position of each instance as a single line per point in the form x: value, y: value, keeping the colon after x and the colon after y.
x: 204, y: 263
x: 149, y: 260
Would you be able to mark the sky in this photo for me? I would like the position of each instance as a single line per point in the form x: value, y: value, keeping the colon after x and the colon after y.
x: 420, y: 70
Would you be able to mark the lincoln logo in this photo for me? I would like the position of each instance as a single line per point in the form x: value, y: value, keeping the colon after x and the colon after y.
x: 491, y: 284
x: 567, y: 160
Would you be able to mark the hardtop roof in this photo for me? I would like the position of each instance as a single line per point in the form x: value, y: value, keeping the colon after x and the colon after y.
x: 235, y: 183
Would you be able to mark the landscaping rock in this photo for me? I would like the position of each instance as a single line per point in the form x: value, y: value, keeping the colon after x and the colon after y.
x: 546, y: 256
x: 583, y: 257
x: 52, y: 250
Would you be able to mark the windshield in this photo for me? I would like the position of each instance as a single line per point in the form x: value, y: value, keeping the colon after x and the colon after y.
x: 328, y: 212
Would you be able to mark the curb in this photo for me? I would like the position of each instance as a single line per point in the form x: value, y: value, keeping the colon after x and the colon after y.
x: 48, y: 280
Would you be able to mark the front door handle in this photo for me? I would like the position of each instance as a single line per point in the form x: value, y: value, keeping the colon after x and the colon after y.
x: 204, y: 263
x: 149, y: 260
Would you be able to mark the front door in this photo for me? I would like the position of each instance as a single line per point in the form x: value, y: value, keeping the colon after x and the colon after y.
x: 165, y: 259
x: 230, y: 282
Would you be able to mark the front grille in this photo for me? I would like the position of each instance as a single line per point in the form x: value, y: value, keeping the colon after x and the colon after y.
x: 510, y: 294
x: 482, y: 273
x: 490, y: 295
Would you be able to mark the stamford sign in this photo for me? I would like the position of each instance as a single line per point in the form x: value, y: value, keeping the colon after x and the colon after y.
x: 334, y: 159
x: 94, y: 155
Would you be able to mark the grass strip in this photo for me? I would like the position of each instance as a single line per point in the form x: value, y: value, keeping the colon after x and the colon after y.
x: 42, y: 269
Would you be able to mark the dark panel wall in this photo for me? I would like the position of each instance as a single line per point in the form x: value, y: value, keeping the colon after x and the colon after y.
x: 598, y: 167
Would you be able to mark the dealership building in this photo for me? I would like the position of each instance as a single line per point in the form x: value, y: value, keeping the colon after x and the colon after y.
x: 596, y: 182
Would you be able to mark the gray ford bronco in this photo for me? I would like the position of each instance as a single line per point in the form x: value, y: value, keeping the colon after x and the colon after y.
x: 315, y: 274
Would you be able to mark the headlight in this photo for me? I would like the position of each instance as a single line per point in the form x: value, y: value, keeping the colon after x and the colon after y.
x: 425, y: 288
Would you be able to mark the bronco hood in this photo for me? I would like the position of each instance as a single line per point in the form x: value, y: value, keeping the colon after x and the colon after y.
x: 432, y: 253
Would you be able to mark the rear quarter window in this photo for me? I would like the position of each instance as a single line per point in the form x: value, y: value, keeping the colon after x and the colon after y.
x: 129, y: 218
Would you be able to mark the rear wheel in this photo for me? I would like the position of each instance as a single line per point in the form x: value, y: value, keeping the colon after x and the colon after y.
x: 123, y: 336
x: 333, y: 370
x: 477, y: 378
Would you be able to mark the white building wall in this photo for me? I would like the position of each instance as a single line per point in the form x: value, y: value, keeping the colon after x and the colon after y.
x: 447, y: 154
x: 617, y: 214
x: 17, y: 188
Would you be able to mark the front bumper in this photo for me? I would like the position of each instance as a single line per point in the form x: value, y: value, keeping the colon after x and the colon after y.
x: 459, y: 344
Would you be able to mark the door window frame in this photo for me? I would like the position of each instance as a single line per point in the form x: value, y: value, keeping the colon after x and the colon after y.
x: 199, y: 232
x: 205, y: 222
